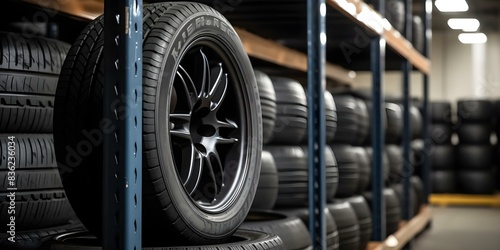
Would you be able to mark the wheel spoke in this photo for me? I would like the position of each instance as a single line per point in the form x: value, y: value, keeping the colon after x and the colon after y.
x: 219, y: 89
x: 191, y: 174
x: 179, y: 119
x: 211, y: 171
x: 187, y: 85
x: 221, y: 140
x: 206, y: 76
x: 227, y: 125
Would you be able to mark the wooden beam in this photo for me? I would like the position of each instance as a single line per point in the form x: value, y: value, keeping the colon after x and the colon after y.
x: 372, y: 21
x: 406, y: 232
x: 276, y: 53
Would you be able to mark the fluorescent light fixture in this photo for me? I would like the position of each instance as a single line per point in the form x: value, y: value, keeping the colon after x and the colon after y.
x: 471, y: 38
x: 465, y: 24
x: 452, y: 5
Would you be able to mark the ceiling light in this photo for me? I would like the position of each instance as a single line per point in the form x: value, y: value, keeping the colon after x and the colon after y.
x: 452, y: 5
x: 470, y: 38
x: 465, y: 24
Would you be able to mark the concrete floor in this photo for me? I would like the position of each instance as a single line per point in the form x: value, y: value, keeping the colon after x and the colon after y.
x: 462, y: 228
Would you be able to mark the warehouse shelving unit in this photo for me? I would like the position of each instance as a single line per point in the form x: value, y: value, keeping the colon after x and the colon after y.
x: 264, y: 45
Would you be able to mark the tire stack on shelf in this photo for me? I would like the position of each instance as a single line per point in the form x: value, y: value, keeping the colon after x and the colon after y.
x: 350, y: 209
x: 475, y: 153
x: 443, y: 153
x: 287, y: 147
x: 33, y: 203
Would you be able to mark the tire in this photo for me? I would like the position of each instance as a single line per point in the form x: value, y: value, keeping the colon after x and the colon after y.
x: 174, y: 209
x: 292, y: 231
x: 443, y: 157
x: 394, y: 12
x: 369, y: 106
x: 416, y: 122
x: 29, y: 70
x: 392, y: 209
x: 444, y: 181
x: 267, y: 189
x: 267, y: 103
x: 291, y: 111
x: 347, y: 224
x: 363, y: 122
x: 291, y: 163
x: 475, y: 157
x: 365, y: 169
x: 348, y: 120
x: 364, y: 215
x: 418, y: 186
x: 475, y: 111
x: 332, y: 233
x: 398, y: 188
x: 395, y: 157
x: 418, y: 33
x: 331, y: 117
x: 40, y: 201
x: 394, y: 123
x: 477, y: 182
x: 440, y: 112
x: 349, y: 172
x: 385, y: 164
x: 440, y: 133
x: 241, y: 239
x: 474, y: 133
x: 34, y: 239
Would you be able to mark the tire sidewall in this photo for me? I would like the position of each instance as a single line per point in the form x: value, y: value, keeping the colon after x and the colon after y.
x: 223, y: 224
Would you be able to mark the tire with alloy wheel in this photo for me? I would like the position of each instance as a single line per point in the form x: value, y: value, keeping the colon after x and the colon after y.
x: 241, y: 239
x: 201, y: 150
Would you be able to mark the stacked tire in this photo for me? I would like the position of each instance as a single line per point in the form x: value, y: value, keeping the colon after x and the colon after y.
x: 443, y: 153
x: 475, y: 153
x: 288, y: 150
x: 33, y: 203
x: 351, y: 211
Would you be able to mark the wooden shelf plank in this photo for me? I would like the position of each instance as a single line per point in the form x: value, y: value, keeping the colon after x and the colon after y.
x: 465, y: 200
x: 255, y: 46
x: 271, y: 51
x: 406, y: 232
x: 371, y: 20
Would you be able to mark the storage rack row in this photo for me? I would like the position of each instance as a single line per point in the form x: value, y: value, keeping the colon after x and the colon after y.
x: 313, y: 26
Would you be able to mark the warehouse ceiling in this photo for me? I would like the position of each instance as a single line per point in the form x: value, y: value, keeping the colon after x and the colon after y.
x: 486, y: 11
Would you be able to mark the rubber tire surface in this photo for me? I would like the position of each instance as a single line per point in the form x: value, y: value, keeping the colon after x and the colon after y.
x: 40, y: 198
x: 364, y: 215
x: 475, y: 111
x: 440, y: 133
x: 385, y: 164
x: 398, y: 188
x: 444, y: 181
x: 347, y: 224
x: 29, y: 70
x: 416, y: 122
x: 477, y: 182
x: 394, y: 123
x: 292, y: 231
x: 267, y: 189
x: 291, y: 110
x: 440, y: 112
x: 365, y: 169
x: 395, y: 156
x: 418, y: 186
x: 418, y: 33
x: 267, y: 103
x: 349, y: 170
x: 332, y: 233
x: 79, y: 113
x: 331, y: 117
x: 475, y: 157
x: 82, y: 240
x: 348, y: 119
x: 443, y: 157
x: 34, y: 239
x: 392, y: 209
x: 474, y: 133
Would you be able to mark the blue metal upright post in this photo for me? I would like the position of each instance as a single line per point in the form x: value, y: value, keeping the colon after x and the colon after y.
x: 122, y: 100
x: 407, y: 169
x: 427, y: 44
x: 316, y: 47
x: 378, y: 45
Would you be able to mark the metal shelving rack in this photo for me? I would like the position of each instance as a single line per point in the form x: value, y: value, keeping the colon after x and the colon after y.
x: 122, y: 202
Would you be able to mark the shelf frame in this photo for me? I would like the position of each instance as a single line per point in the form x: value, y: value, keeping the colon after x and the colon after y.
x: 122, y: 105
